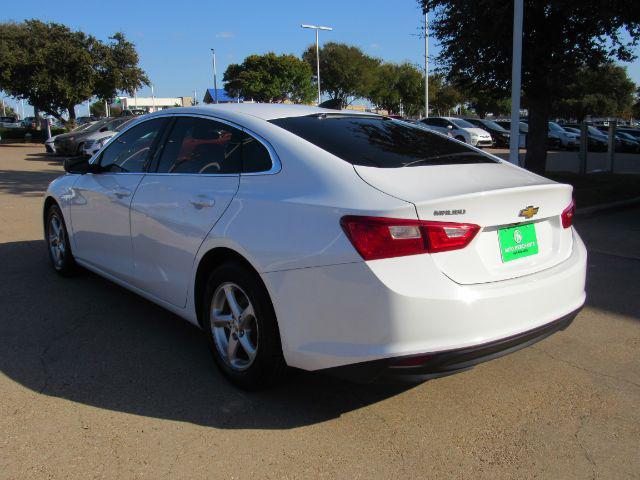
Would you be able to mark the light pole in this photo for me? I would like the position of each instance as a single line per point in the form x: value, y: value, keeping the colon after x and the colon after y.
x: 426, y: 64
x: 215, y: 81
x: 153, y: 99
x: 516, y: 73
x: 316, y: 28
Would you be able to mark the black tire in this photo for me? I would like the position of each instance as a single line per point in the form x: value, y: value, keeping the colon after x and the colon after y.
x: 268, y: 367
x: 66, y: 264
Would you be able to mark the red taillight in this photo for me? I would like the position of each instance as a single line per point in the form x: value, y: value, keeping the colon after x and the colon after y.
x: 378, y: 237
x: 568, y: 213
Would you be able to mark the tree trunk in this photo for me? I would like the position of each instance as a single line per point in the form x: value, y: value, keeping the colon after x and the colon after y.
x: 72, y: 115
x: 36, y: 114
x: 537, y: 137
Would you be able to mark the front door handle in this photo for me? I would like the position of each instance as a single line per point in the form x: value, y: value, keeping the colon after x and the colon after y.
x: 121, y: 192
x: 200, y: 203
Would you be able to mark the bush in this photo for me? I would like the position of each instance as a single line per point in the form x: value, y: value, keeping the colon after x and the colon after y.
x: 36, y: 135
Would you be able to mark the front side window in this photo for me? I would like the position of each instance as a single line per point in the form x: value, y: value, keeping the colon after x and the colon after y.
x: 379, y: 141
x: 198, y: 145
x: 129, y: 152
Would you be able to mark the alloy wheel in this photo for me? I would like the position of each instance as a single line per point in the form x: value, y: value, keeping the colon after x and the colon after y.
x: 234, y: 326
x: 57, y: 245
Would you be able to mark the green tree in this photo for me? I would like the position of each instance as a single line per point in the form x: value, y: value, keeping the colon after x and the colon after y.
x: 47, y: 64
x: 559, y: 37
x: 270, y: 78
x: 635, y: 109
x: 483, y: 100
x: 116, y: 68
x: 398, y: 85
x: 604, y: 90
x: 55, y: 68
x: 97, y: 109
x: 345, y: 71
x: 6, y: 110
x: 443, y: 96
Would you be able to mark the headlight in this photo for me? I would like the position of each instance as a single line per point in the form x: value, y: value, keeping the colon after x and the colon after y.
x: 474, y: 136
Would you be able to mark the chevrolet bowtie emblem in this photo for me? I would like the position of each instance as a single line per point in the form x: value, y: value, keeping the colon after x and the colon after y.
x: 528, y: 212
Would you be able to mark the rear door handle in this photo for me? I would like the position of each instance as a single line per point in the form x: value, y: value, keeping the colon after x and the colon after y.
x: 200, y: 203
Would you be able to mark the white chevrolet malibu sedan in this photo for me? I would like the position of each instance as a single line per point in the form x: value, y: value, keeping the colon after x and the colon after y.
x: 323, y: 240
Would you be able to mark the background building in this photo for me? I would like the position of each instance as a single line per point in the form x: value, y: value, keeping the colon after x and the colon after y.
x: 223, y: 97
x: 152, y: 104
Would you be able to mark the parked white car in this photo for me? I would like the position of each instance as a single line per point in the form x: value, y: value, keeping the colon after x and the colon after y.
x: 94, y: 142
x: 460, y: 130
x: 323, y: 240
x: 568, y: 140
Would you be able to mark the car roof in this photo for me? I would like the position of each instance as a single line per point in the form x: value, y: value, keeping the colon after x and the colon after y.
x: 264, y: 111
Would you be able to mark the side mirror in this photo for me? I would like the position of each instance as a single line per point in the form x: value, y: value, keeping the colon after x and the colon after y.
x: 80, y: 165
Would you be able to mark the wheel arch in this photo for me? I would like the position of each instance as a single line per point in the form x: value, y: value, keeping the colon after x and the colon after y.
x: 48, y: 202
x: 210, y: 260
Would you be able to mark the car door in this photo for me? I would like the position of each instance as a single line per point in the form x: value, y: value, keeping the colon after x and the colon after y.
x: 100, y: 209
x: 174, y: 208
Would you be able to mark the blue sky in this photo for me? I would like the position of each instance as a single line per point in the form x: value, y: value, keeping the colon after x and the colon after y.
x: 174, y: 38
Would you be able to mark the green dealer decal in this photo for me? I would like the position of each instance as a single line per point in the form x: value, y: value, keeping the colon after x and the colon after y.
x: 517, y: 242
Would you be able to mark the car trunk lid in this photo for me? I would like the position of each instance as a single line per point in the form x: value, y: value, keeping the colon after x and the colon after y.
x: 493, y: 196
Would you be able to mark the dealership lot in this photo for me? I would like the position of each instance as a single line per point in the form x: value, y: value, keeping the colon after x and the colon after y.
x: 96, y: 382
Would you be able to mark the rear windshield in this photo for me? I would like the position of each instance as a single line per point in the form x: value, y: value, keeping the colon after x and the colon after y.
x: 379, y: 141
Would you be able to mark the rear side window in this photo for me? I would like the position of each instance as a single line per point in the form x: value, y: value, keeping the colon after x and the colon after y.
x: 255, y: 156
x: 379, y: 142
x: 198, y: 145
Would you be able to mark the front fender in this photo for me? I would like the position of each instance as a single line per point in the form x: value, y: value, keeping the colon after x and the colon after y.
x: 61, y: 190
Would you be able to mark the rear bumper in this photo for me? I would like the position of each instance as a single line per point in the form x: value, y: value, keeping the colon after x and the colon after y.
x: 361, y: 312
x: 422, y: 367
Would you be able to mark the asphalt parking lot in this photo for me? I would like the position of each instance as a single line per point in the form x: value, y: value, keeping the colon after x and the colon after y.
x: 96, y: 382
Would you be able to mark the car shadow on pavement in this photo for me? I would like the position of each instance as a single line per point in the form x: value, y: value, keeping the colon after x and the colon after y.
x: 614, y: 260
x: 26, y: 183
x: 52, y: 160
x: 90, y: 341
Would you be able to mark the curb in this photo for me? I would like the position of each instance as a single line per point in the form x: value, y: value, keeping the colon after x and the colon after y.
x: 588, y: 211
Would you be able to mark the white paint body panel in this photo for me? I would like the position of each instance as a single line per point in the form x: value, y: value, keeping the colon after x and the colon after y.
x: 170, y: 217
x: 404, y: 306
x: 100, y: 221
x: 333, y: 308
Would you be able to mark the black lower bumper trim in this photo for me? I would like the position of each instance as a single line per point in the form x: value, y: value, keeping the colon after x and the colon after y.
x: 438, y: 364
